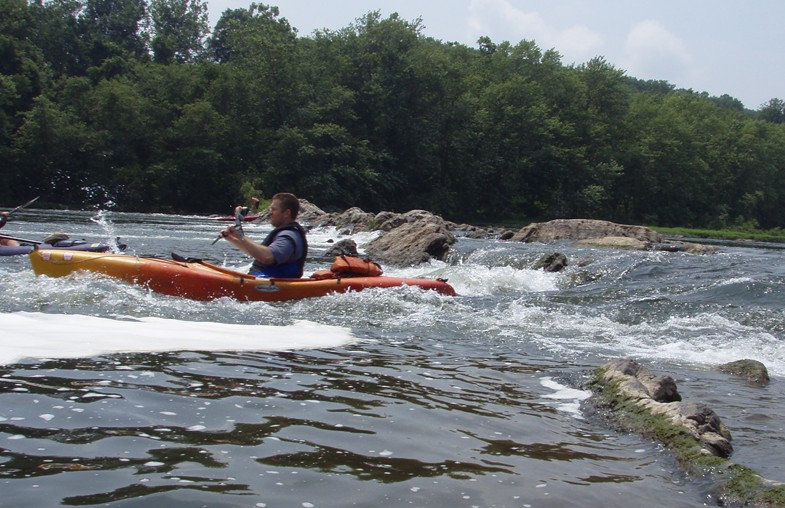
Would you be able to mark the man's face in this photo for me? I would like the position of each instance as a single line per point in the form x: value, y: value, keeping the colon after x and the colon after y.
x: 277, y: 214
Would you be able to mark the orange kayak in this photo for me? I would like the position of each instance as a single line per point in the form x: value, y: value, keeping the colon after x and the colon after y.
x: 203, y: 281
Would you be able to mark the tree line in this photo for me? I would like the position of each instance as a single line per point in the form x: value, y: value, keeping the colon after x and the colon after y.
x: 137, y: 105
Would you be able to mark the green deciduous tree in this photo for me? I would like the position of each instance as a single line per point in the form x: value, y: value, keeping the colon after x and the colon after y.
x: 21, y: 61
x: 376, y: 115
x: 58, y: 34
x: 179, y: 29
x: 114, y: 28
x: 57, y: 152
x: 773, y: 111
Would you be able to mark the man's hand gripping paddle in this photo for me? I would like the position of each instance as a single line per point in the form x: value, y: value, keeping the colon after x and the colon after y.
x: 238, y: 227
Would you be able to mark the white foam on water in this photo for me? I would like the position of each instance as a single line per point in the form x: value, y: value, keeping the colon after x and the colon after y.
x: 479, y: 280
x: 569, y: 399
x: 707, y: 339
x: 696, y: 341
x: 39, y: 335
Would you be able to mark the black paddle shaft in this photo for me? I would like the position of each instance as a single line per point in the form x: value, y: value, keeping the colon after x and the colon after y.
x: 22, y: 240
x: 23, y: 206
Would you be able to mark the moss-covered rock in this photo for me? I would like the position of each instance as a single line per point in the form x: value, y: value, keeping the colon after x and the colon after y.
x: 751, y: 370
x: 691, y: 431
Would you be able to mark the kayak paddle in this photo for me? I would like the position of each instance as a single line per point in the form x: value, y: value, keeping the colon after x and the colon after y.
x: 238, y: 226
x: 23, y: 206
x: 22, y: 240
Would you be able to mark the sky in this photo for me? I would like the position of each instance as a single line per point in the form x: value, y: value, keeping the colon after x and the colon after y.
x: 716, y: 46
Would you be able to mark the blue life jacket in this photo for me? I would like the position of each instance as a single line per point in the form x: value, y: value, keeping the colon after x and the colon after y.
x: 291, y: 270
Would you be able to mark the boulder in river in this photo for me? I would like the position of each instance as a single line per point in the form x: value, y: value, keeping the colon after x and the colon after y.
x: 581, y: 229
x: 412, y: 243
x: 344, y: 247
x: 554, y: 262
x: 354, y: 219
x: 751, y: 370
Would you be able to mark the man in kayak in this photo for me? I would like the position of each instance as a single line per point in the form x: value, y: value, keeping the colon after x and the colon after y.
x: 6, y: 241
x: 282, y: 254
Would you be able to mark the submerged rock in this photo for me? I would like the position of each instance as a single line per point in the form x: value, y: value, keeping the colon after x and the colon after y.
x: 345, y: 247
x: 751, y: 370
x: 616, y: 242
x: 554, y: 262
x: 688, y: 247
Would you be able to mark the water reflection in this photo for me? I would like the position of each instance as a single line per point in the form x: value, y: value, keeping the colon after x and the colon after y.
x: 383, y: 469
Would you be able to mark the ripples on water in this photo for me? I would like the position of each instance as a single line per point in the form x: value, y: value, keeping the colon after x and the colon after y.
x: 420, y: 400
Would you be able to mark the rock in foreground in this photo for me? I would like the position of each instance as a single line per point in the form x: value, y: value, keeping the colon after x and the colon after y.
x: 650, y: 405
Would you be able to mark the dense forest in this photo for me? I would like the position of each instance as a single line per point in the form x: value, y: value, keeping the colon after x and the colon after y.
x: 137, y: 105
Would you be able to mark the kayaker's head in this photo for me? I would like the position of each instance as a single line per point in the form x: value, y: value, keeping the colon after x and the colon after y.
x: 284, y: 209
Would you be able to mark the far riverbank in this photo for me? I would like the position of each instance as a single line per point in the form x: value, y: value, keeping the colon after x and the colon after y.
x: 769, y: 236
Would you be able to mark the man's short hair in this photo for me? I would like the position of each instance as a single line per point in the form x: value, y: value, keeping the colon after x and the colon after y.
x: 288, y: 202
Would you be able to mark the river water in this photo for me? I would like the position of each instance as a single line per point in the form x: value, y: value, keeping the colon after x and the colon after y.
x: 112, y: 395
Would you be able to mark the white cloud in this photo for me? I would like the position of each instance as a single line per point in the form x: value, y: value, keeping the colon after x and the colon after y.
x: 498, y: 17
x: 500, y: 20
x: 652, y: 52
x: 578, y: 44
